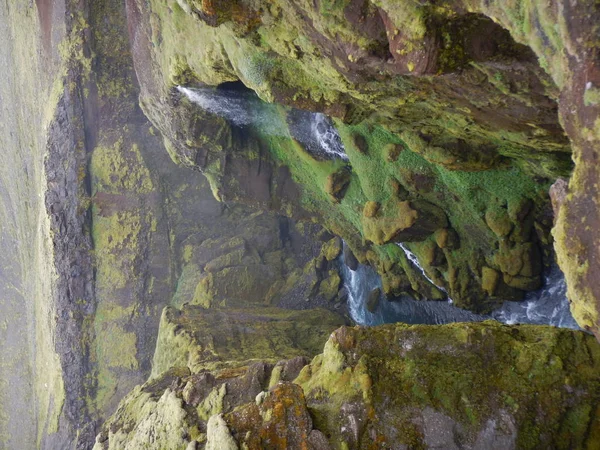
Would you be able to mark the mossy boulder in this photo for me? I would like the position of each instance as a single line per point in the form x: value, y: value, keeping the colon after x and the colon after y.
x: 280, y: 419
x: 447, y: 238
x: 332, y: 249
x: 336, y: 185
x: 489, y: 280
x: 499, y: 221
x: 200, y: 338
x: 373, y: 300
x: 371, y: 209
x: 398, y: 221
x: 330, y: 285
x: 456, y: 386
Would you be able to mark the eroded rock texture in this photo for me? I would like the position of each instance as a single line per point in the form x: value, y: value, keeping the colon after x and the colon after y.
x: 449, y: 122
x: 449, y: 115
x: 101, y: 230
x: 395, y: 386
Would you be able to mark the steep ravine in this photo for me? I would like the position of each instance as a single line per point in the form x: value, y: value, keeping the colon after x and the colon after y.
x: 197, y: 198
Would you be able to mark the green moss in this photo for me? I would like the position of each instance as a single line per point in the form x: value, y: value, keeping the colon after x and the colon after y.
x: 116, y: 169
x: 213, y: 339
x: 332, y: 249
x: 213, y: 403
x: 115, y: 242
x: 330, y: 286
x: 591, y: 96
x: 219, y: 436
x: 159, y: 421
x: 466, y: 371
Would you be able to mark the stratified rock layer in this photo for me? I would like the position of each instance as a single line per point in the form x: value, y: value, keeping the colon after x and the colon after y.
x: 210, y: 339
x: 481, y: 385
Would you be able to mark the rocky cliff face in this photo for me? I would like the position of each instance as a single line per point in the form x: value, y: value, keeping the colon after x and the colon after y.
x: 447, y: 132
x: 179, y: 174
x: 115, y: 231
x: 395, y: 386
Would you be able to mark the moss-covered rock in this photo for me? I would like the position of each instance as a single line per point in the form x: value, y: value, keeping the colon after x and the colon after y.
x: 467, y: 378
x: 210, y: 339
x: 373, y: 300
x: 398, y: 221
x: 451, y: 386
x: 472, y: 139
x: 332, y: 249
x: 336, y: 185
x: 489, y: 280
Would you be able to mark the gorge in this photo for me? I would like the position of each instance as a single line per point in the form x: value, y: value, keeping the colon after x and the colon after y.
x: 293, y: 224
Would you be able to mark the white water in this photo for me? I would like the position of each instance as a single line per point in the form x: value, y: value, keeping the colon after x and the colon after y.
x: 413, y: 259
x: 548, y: 305
x: 327, y: 136
x: 364, y: 279
x: 245, y: 109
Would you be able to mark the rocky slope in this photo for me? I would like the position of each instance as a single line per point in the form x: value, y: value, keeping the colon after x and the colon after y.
x: 115, y: 230
x: 395, y: 386
x: 438, y: 125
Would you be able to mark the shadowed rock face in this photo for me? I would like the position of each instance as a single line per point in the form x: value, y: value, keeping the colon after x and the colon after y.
x: 101, y: 230
x: 148, y: 233
x: 456, y: 386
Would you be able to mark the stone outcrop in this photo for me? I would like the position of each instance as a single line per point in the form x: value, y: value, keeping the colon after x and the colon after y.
x: 396, y: 386
x: 218, y: 339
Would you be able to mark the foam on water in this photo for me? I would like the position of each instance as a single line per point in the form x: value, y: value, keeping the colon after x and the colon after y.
x: 325, y: 133
x: 364, y: 279
x: 547, y: 306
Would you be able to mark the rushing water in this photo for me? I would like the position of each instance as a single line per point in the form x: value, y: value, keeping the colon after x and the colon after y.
x: 547, y: 306
x: 317, y: 132
x: 413, y: 259
x: 244, y: 108
x: 364, y: 279
x: 241, y: 108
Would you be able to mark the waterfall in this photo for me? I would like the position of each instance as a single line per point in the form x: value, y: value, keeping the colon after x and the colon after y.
x: 364, y: 279
x: 241, y: 108
x: 325, y: 133
x: 413, y: 259
x: 315, y: 131
x: 547, y: 306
